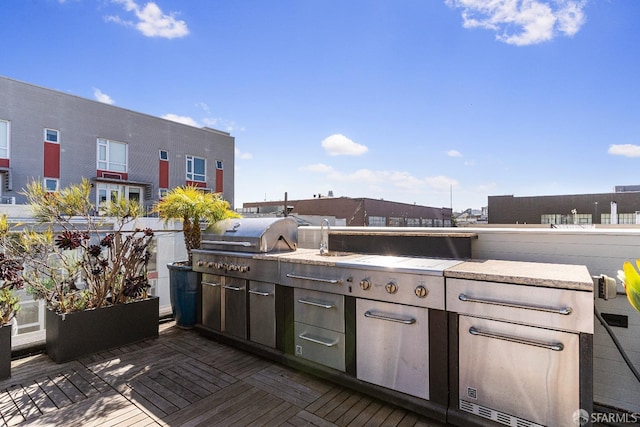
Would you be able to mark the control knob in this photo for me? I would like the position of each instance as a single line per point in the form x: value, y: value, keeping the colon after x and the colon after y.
x: 391, y: 287
x: 421, y: 292
x: 365, y: 284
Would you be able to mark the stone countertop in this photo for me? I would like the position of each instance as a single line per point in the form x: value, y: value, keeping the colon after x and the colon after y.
x: 465, y: 235
x: 312, y: 256
x: 561, y: 276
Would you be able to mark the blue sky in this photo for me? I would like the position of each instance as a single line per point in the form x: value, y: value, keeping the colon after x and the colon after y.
x: 434, y: 102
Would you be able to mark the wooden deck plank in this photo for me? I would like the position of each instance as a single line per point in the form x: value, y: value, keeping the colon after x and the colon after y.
x: 333, y: 403
x: 91, y: 411
x: 379, y: 417
x: 290, y: 394
x: 314, y: 419
x: 194, y: 413
x: 322, y: 400
x: 24, y: 403
x: 183, y: 379
x: 354, y: 411
x: 276, y: 415
x: 9, y: 412
x: 67, y: 387
x: 366, y: 414
x: 174, y: 382
x: 164, y: 392
x: 340, y: 410
x: 40, y: 398
x: 395, y: 417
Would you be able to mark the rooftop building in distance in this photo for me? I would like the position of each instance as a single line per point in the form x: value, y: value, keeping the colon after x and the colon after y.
x: 619, y: 207
x: 356, y: 211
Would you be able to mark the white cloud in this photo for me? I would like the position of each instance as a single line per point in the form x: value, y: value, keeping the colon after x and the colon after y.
x: 523, y: 22
x: 222, y: 124
x: 454, y: 153
x: 181, y: 119
x: 318, y: 167
x: 102, y: 97
x: 385, y: 180
x: 243, y: 155
x: 340, y: 145
x: 627, y: 150
x: 151, y: 21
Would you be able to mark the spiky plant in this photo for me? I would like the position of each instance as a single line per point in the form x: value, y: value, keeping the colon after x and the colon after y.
x: 195, y: 208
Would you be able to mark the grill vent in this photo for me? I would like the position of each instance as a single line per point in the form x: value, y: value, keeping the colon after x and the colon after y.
x: 492, y: 414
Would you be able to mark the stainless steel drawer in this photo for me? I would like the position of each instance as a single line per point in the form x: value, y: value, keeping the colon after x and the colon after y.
x: 320, y: 309
x: 320, y: 345
x: 562, y: 309
x: 528, y: 373
x: 392, y: 346
x: 262, y: 313
x: 211, y: 301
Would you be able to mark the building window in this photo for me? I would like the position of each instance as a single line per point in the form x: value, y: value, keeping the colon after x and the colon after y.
x: 377, y: 221
x: 626, y: 218
x: 427, y: 222
x: 51, y: 135
x: 51, y: 184
x: 219, y: 164
x: 196, y: 169
x: 396, y: 221
x: 164, y: 155
x: 112, y: 155
x: 4, y: 139
x: 413, y: 222
x: 113, y: 192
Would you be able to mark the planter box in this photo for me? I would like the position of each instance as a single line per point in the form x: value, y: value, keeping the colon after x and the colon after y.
x: 5, y: 352
x: 81, y: 333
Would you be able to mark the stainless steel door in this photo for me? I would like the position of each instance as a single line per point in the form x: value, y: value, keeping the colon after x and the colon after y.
x: 508, y: 369
x: 211, y: 307
x: 262, y: 313
x: 235, y: 306
x: 392, y: 346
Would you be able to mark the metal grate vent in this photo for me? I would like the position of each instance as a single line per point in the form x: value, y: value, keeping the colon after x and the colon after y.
x: 492, y: 414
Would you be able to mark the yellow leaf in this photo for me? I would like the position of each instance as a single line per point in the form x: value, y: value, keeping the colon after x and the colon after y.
x: 632, y: 284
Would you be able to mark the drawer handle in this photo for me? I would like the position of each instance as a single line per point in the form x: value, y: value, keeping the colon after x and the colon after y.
x: 318, y: 340
x: 316, y: 303
x: 399, y: 319
x: 564, y: 311
x: 233, y: 288
x: 315, y: 279
x: 262, y: 294
x: 555, y: 346
x: 210, y: 284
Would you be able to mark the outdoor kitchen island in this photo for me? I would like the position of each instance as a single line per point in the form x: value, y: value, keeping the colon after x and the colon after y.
x: 460, y: 341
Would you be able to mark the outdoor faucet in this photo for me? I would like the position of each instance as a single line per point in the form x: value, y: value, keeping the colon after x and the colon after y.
x: 324, y: 236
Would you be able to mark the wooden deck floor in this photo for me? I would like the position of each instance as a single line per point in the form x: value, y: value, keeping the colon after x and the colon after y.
x: 183, y: 379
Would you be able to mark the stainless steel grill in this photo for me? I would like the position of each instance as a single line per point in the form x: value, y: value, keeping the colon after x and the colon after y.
x: 252, y: 235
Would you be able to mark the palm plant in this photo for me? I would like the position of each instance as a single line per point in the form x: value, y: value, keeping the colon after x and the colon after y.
x: 194, y: 208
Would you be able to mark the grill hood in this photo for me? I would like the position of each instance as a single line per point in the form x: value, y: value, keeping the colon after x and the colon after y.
x: 254, y: 235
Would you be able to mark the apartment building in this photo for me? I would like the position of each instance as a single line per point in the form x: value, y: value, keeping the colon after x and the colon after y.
x: 60, y: 138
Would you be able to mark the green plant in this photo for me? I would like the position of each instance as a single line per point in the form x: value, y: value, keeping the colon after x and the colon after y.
x: 75, y: 260
x: 631, y: 280
x: 10, y: 279
x: 194, y: 208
